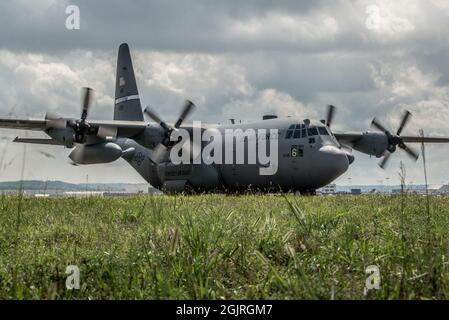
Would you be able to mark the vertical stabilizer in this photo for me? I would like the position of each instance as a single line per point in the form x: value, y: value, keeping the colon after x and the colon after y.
x: 127, y: 100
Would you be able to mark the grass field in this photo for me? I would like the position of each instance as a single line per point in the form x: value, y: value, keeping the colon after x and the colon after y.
x: 224, y: 247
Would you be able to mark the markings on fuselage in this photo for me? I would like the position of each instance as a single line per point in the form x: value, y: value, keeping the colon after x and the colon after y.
x: 296, y: 151
x: 139, y: 157
x: 178, y: 172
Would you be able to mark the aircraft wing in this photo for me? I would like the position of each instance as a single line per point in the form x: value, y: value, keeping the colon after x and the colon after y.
x: 41, y: 125
x: 349, y: 138
x: 119, y: 124
x: 425, y: 139
x: 25, y: 124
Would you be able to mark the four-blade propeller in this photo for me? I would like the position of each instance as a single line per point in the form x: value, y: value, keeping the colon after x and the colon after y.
x: 80, y: 127
x: 160, y: 152
x: 395, y: 140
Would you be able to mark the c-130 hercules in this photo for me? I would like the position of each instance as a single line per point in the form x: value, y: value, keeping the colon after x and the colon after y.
x: 310, y: 154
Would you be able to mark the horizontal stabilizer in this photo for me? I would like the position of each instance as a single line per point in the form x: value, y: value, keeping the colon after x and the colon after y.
x: 37, y: 141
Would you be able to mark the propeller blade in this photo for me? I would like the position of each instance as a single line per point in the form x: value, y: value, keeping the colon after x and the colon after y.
x: 54, y: 121
x: 404, y: 122
x: 189, y: 106
x: 330, y: 114
x: 375, y: 123
x: 411, y: 152
x: 150, y: 113
x: 384, y: 161
x: 87, y: 94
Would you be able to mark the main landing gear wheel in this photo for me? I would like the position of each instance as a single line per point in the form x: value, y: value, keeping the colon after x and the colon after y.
x: 307, y: 192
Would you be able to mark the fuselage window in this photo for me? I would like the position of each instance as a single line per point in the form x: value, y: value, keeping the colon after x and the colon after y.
x: 323, y: 131
x: 312, y: 132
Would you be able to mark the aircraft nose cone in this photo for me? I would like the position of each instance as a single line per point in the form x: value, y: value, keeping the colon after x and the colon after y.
x: 336, y: 160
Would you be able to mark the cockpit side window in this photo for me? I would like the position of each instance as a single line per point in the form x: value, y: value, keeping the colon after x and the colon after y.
x: 289, y: 134
x: 323, y: 131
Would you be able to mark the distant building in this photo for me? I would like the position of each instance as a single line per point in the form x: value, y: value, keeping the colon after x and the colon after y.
x: 329, y: 189
x: 82, y: 194
x: 356, y: 191
x: 42, y: 195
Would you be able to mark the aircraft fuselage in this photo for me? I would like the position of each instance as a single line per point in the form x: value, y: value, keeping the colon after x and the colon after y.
x: 308, y: 157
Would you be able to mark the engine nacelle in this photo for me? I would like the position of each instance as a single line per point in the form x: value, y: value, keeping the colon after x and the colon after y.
x: 372, y: 143
x: 64, y: 136
x: 151, y: 136
x: 96, y: 153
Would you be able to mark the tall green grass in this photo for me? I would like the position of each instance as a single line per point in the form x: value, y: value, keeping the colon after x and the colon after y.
x: 224, y: 247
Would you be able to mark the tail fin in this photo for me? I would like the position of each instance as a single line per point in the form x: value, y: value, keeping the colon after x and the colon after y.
x: 127, y: 100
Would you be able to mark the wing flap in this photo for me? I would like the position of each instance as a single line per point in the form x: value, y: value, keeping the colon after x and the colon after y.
x: 37, y: 141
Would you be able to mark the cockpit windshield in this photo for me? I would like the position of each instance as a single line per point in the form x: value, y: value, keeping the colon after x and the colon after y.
x: 301, y: 131
x: 312, y: 132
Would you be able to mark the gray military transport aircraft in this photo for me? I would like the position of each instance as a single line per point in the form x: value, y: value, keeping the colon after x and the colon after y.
x: 310, y: 154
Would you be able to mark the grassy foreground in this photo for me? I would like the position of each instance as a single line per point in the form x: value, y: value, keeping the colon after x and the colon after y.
x: 224, y: 247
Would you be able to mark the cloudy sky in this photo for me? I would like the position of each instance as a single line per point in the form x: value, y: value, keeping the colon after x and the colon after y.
x: 235, y: 59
